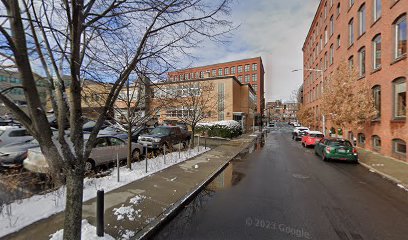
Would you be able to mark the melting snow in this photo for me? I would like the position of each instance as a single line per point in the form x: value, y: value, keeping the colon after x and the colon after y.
x: 88, y: 232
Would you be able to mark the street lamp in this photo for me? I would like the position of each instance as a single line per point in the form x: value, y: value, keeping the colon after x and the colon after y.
x: 321, y: 75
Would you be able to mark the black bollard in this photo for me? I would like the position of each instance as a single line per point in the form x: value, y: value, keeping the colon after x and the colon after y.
x: 99, y: 213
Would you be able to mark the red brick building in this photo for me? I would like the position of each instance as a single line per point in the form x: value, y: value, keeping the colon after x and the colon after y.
x: 370, y: 35
x: 246, y: 71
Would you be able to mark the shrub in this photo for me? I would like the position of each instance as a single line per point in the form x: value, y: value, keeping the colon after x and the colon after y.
x: 224, y: 129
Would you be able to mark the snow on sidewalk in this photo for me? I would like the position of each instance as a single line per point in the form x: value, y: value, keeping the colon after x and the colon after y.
x: 16, y: 215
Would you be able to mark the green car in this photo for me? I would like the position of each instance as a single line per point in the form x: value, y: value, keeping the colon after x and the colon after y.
x: 336, y: 149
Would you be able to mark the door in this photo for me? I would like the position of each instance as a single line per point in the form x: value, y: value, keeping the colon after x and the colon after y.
x: 118, y: 148
x: 101, y: 153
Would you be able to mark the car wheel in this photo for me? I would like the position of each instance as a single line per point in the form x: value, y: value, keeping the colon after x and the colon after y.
x: 89, y: 165
x: 304, y: 145
x: 136, y: 155
x: 316, y: 153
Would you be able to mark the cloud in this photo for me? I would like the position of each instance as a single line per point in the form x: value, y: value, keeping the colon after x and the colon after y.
x: 272, y: 29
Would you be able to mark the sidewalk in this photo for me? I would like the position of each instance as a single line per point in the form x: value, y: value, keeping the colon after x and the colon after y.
x: 390, y: 168
x: 136, y: 209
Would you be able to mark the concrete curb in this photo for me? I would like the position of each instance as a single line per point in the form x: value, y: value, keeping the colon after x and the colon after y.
x: 172, y: 211
x: 384, y: 175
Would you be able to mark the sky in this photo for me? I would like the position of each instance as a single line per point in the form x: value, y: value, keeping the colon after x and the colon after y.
x: 272, y: 29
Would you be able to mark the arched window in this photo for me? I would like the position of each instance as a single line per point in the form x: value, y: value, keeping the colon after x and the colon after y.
x: 400, y: 98
x: 400, y: 29
x: 399, y: 146
x: 361, y: 139
x: 377, y: 51
x: 376, y: 141
x: 361, y: 20
x: 377, y: 100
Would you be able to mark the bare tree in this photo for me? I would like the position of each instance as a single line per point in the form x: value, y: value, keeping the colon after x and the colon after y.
x: 347, y: 101
x: 192, y: 102
x: 92, y: 39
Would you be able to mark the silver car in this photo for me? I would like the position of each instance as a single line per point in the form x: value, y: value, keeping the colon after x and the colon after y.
x: 13, y: 134
x: 106, y: 150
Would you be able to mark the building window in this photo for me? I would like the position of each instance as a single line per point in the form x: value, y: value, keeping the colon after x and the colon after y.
x: 331, y: 54
x: 255, y: 87
x: 362, y: 61
x: 376, y: 142
x: 331, y: 26
x: 201, y: 74
x: 232, y: 70
x: 325, y: 61
x: 240, y: 78
x: 254, y: 67
x: 399, y: 146
x: 325, y: 10
x: 254, y: 77
x: 221, y: 99
x: 377, y: 52
x: 377, y: 10
x: 219, y: 71
x: 361, y: 139
x: 400, y: 27
x: 338, y: 9
x: 226, y: 71
x: 351, y: 62
x: 377, y: 100
x: 362, y: 20
x: 351, y: 32
x: 247, y: 78
x: 400, y: 98
x: 186, y: 76
x: 214, y: 72
x: 247, y: 68
x: 239, y: 69
x: 338, y: 41
x: 326, y: 37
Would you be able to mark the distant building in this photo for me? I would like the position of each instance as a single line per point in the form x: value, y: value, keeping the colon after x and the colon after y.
x: 281, y: 111
x: 246, y: 71
x: 10, y: 79
x: 232, y: 100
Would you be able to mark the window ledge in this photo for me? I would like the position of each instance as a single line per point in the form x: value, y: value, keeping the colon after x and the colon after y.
x: 393, y: 4
x: 376, y: 120
x: 361, y: 35
x: 378, y: 19
x: 398, y: 120
x: 400, y: 58
x: 361, y: 77
x: 376, y: 70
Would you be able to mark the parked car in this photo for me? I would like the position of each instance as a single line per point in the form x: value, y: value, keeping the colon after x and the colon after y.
x: 106, y: 149
x: 12, y: 134
x: 13, y: 154
x: 311, y: 138
x: 335, y: 148
x: 297, y: 130
x: 90, y: 124
x: 165, y: 135
x: 296, y: 124
x: 135, y: 135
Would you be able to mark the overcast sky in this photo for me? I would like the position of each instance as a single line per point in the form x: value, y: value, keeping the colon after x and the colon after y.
x: 272, y: 29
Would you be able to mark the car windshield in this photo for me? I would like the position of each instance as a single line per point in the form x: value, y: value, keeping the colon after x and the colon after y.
x: 89, y: 124
x: 340, y: 143
x: 1, y: 132
x: 316, y: 135
x: 160, y: 131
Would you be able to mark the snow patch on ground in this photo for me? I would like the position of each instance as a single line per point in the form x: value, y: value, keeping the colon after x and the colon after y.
x: 88, y: 232
x: 128, y: 234
x: 24, y: 212
x: 128, y: 212
x: 402, y: 186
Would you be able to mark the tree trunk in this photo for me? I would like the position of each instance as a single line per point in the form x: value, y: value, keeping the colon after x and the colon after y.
x: 73, y: 209
x: 129, y: 155
x: 192, y: 135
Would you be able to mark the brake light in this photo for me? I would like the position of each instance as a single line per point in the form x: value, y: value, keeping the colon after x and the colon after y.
x: 328, y: 149
x: 354, y: 151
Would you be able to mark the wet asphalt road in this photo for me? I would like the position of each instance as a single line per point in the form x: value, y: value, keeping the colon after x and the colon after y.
x: 285, y: 192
